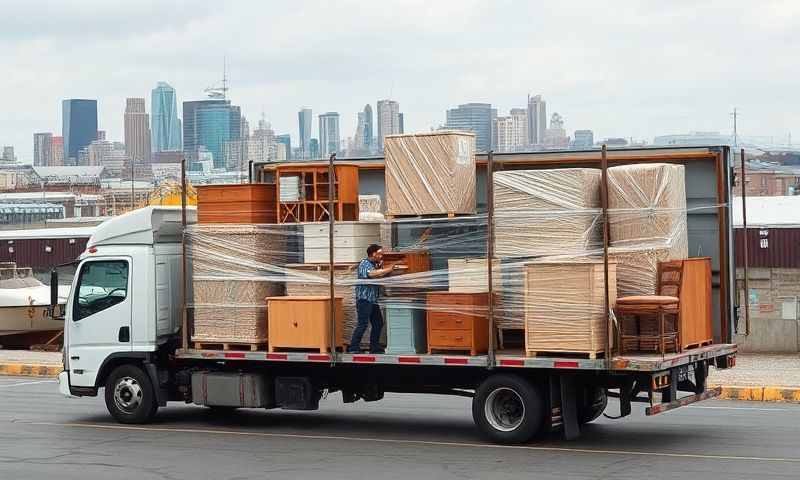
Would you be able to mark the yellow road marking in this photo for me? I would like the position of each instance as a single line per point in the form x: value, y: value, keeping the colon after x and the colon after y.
x: 419, y: 442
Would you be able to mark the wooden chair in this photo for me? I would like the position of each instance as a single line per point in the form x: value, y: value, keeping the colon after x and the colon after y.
x: 651, y: 323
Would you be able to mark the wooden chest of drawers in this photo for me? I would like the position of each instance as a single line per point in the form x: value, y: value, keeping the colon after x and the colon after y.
x: 457, y: 321
x: 405, y: 327
x: 303, y: 322
x: 246, y: 203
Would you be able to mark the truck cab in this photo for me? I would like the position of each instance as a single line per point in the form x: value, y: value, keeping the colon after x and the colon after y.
x: 125, y: 303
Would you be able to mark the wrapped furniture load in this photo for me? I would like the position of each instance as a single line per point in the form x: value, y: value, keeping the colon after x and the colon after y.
x: 370, y: 208
x: 647, y: 222
x: 233, y: 269
x: 350, y: 241
x: 430, y: 173
x: 565, y: 306
x: 246, y: 203
x: 547, y: 212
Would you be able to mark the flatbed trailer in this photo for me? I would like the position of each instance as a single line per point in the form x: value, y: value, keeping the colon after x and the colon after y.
x: 152, y: 361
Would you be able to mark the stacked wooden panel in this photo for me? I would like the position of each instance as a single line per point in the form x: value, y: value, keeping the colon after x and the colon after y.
x: 234, y: 267
x: 430, y: 173
x: 647, y: 222
x: 565, y: 307
x: 350, y: 241
x: 547, y: 212
x: 247, y: 203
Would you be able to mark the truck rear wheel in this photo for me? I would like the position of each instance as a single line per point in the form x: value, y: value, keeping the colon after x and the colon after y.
x: 595, y: 403
x: 129, y: 395
x: 508, y: 409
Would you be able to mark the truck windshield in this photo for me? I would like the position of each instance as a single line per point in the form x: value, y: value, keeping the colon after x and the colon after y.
x: 101, y: 285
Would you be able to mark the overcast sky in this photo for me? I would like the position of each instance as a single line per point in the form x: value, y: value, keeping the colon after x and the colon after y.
x: 631, y: 69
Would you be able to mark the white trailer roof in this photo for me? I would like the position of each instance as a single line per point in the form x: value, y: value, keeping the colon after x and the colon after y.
x: 774, y: 212
x: 145, y: 226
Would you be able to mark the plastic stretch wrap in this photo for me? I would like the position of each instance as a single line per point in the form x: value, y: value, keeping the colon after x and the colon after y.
x: 647, y: 222
x: 430, y: 173
x: 547, y: 212
x: 547, y: 274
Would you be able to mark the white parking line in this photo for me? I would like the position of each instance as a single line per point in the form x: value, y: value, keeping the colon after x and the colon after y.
x: 756, y: 409
x: 26, y: 383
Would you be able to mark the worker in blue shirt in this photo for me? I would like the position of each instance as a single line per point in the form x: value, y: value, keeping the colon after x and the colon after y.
x: 367, y: 296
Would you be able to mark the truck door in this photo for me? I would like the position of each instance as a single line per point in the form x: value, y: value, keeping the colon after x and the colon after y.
x: 100, y: 320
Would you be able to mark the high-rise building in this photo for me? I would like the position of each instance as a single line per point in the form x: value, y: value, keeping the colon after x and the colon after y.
x: 8, y: 154
x: 556, y: 136
x: 583, y: 139
x: 286, y: 140
x: 313, y: 148
x: 166, y: 128
x: 477, y: 118
x: 245, y: 128
x: 512, y: 131
x: 99, y: 151
x: 57, y: 152
x: 79, y: 126
x: 364, y: 133
x: 328, y: 134
x: 43, y: 149
x: 304, y: 127
x: 388, y: 120
x: 537, y: 119
x: 209, y: 124
x: 401, y: 120
x: 137, y: 131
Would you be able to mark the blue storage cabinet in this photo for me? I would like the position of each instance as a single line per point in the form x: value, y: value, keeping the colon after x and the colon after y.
x: 406, y: 329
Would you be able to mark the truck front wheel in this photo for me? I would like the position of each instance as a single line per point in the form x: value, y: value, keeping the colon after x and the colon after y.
x: 130, y: 397
x: 508, y: 409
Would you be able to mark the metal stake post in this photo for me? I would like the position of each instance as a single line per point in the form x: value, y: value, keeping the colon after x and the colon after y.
x: 745, y: 251
x: 331, y: 205
x: 604, y: 205
x: 185, y: 316
x: 490, y: 251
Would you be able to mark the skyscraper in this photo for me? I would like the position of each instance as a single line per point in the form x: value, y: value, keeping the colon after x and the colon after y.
x: 57, y: 152
x: 477, y: 118
x: 137, y: 131
x: 79, y: 126
x: 43, y: 149
x: 208, y: 124
x: 388, y: 119
x: 286, y: 140
x: 166, y: 129
x: 313, y: 148
x: 328, y: 134
x: 401, y: 121
x: 363, y: 137
x: 304, y: 125
x: 537, y: 119
x: 512, y: 131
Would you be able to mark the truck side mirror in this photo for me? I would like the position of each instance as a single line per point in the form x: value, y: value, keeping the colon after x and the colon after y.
x: 55, y: 312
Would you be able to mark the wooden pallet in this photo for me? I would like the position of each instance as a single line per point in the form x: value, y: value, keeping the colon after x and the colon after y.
x: 302, y: 350
x: 220, y: 345
x: 704, y: 343
x: 589, y: 355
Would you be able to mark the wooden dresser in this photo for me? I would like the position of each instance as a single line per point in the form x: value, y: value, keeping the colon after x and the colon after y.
x: 695, y: 303
x: 457, y: 321
x: 246, y: 203
x: 303, y: 323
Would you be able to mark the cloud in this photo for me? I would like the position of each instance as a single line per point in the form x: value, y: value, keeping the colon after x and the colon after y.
x: 629, y: 69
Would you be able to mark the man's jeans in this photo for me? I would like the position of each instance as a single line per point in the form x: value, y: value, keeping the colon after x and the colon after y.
x: 368, y: 312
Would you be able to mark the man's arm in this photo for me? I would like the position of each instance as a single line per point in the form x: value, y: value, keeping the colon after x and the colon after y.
x: 379, y: 272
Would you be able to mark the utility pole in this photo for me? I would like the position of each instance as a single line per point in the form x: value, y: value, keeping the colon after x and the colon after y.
x: 735, y: 114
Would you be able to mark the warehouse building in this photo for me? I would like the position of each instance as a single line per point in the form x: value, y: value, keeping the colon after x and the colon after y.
x: 773, y: 273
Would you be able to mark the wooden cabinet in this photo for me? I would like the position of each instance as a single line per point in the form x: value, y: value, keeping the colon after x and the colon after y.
x: 415, y: 261
x: 458, y: 321
x: 695, y: 303
x: 247, y: 203
x: 405, y: 327
x: 303, y: 322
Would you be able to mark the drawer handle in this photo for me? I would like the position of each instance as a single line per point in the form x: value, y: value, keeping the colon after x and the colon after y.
x: 295, y: 324
x: 459, y: 338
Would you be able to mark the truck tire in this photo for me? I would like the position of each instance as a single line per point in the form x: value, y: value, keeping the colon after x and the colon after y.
x: 595, y: 403
x: 129, y: 395
x: 508, y: 409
